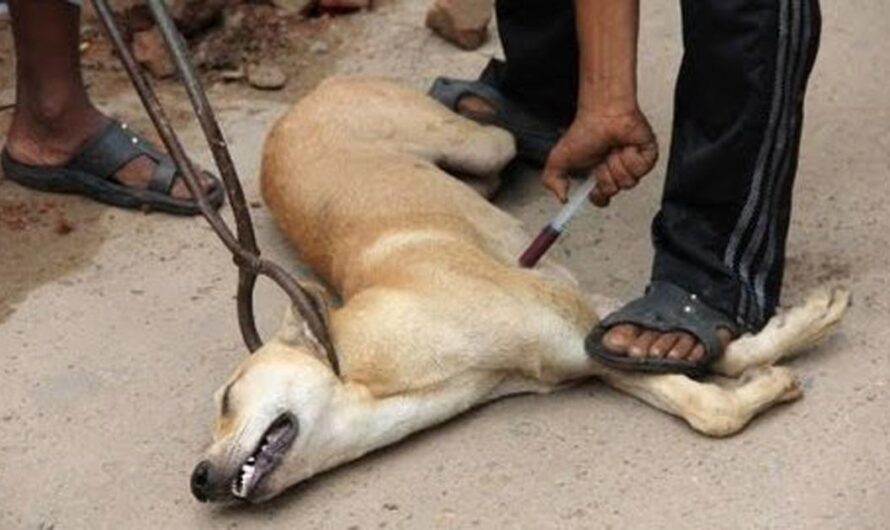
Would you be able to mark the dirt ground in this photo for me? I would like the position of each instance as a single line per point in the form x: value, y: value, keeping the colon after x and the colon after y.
x: 116, y: 328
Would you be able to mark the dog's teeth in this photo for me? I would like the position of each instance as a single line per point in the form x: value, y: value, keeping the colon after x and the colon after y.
x: 251, y: 460
x: 236, y: 490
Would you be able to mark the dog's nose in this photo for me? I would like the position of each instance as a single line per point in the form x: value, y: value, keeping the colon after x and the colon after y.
x: 201, y: 481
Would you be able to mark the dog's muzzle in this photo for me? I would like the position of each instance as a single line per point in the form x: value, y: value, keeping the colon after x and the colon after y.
x: 211, y: 482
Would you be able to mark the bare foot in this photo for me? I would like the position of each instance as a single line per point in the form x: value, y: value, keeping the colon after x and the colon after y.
x: 476, y: 109
x: 638, y: 343
x: 53, y: 138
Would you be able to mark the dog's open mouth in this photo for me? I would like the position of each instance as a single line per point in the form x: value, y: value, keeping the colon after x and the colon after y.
x: 265, y: 458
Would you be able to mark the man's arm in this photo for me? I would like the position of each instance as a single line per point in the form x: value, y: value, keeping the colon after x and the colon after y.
x: 610, y: 136
x: 607, y: 41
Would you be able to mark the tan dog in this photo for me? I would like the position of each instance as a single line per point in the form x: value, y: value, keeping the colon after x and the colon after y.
x: 436, y: 315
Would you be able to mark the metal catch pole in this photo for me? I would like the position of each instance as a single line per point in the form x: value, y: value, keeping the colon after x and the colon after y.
x: 244, y: 248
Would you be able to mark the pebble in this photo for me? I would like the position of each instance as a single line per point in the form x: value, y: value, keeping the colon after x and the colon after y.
x: 235, y: 74
x: 266, y: 77
x: 462, y: 22
x: 318, y: 47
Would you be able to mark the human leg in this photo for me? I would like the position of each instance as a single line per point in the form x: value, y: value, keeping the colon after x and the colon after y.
x: 720, y: 234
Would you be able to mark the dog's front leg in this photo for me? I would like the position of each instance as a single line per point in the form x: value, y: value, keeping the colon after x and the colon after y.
x: 363, y: 423
x: 786, y: 334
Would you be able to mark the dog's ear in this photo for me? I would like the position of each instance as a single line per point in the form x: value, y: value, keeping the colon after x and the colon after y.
x: 294, y: 330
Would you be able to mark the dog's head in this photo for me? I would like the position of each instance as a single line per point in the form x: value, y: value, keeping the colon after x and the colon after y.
x: 273, y: 420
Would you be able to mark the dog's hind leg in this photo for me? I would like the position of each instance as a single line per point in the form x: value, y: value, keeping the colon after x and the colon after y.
x: 709, y: 408
x: 476, y: 155
x: 374, y: 111
x: 786, y: 334
x: 470, y: 148
x: 470, y: 151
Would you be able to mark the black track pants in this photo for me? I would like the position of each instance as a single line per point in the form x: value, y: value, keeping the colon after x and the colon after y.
x: 726, y: 206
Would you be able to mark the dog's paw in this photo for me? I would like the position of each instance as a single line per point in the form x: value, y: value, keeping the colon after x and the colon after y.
x: 787, y: 383
x: 835, y: 304
x: 818, y: 316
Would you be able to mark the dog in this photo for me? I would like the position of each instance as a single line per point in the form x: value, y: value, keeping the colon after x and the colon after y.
x: 436, y: 316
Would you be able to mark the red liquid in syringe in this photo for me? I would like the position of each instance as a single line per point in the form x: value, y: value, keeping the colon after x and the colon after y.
x: 539, y: 247
x: 554, y: 229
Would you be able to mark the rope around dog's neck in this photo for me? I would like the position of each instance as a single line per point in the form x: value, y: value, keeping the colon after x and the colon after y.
x: 244, y: 248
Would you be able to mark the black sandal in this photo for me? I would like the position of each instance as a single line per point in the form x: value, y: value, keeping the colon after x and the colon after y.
x: 665, y: 307
x: 535, y: 138
x: 91, y: 173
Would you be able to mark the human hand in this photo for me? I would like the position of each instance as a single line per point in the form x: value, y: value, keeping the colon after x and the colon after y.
x: 617, y: 149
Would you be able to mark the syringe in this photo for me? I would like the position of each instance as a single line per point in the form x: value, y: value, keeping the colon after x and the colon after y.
x: 555, y: 227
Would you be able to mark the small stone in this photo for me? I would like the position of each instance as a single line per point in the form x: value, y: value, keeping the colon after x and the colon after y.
x: 461, y: 22
x: 151, y: 52
x: 265, y: 76
x: 318, y: 47
x: 232, y: 74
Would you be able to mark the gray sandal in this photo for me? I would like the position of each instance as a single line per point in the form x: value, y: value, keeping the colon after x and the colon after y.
x: 665, y: 307
x: 92, y: 171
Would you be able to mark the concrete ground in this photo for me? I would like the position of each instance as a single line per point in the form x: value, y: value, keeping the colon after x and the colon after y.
x: 114, y: 336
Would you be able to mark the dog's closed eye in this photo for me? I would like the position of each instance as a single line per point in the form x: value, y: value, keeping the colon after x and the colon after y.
x: 224, y: 395
x: 224, y: 402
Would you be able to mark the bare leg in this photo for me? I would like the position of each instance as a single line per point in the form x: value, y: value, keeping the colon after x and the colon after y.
x: 53, y: 116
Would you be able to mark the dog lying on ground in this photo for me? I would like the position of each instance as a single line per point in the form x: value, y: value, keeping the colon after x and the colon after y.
x: 436, y: 316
